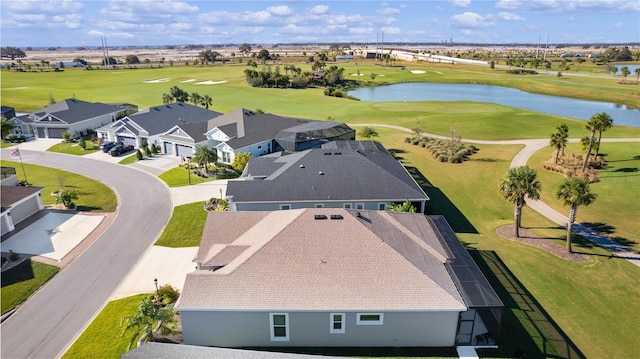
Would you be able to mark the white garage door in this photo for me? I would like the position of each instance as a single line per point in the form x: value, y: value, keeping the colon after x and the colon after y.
x: 127, y: 140
x: 168, y: 148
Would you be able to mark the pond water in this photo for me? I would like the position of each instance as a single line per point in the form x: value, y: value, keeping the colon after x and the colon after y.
x: 553, y: 105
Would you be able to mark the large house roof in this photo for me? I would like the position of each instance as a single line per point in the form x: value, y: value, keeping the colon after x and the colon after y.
x: 158, y: 119
x: 320, y: 259
x: 73, y: 110
x: 246, y: 127
x: 365, y: 171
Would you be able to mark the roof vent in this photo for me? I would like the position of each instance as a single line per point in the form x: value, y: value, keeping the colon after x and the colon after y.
x: 327, y: 153
x: 321, y: 173
x: 319, y: 217
x: 301, y: 166
x: 336, y: 216
x: 337, y: 153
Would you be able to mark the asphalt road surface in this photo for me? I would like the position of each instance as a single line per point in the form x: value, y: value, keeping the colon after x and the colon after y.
x: 46, y: 324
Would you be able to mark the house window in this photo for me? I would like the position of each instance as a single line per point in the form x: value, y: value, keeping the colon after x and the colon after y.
x: 359, y: 205
x: 370, y: 319
x: 226, y: 157
x: 284, y: 207
x: 279, y: 324
x: 336, y: 322
x: 347, y: 206
x: 382, y: 206
x: 319, y: 205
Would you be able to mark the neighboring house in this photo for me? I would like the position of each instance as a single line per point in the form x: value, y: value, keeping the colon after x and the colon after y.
x: 243, y: 130
x: 75, y: 116
x: 66, y: 64
x: 341, y: 174
x: 21, y: 126
x: 17, y: 202
x: 8, y: 112
x: 148, y: 125
x: 335, y: 278
x: 182, y: 139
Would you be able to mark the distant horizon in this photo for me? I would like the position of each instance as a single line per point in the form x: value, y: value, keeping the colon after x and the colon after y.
x: 139, y: 23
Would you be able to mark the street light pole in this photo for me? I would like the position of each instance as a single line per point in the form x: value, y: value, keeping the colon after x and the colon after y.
x: 189, y: 168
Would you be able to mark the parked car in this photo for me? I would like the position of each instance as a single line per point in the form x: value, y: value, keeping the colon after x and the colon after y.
x: 120, y: 149
x: 107, y: 145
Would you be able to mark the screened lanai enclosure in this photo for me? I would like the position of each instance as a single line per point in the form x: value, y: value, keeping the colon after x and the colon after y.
x: 312, y: 135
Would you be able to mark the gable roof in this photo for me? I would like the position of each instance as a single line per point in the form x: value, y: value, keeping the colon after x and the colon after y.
x: 365, y: 173
x: 246, y: 127
x: 158, y: 119
x: 9, y: 195
x: 73, y: 110
x: 361, y: 260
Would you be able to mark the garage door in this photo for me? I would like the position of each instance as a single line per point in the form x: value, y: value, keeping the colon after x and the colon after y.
x: 168, y: 148
x: 56, y: 132
x: 24, y: 210
x: 41, y: 132
x: 127, y: 141
x: 184, y: 151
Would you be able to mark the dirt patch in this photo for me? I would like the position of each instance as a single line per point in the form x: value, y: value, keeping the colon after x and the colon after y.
x: 528, y: 238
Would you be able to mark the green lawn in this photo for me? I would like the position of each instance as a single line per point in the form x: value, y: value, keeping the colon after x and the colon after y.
x: 185, y: 227
x: 129, y: 159
x: 177, y: 177
x: 73, y: 148
x: 548, y: 299
x: 103, y: 337
x: 92, y: 195
x: 19, y: 282
x: 618, y: 191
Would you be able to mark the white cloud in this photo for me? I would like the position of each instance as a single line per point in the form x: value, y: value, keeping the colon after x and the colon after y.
x: 388, y: 11
x: 471, y: 20
x: 319, y: 9
x: 180, y: 26
x: 508, y: 4
x: 280, y: 10
x: 391, y: 30
x: 460, y: 3
x: 361, y: 30
x: 95, y: 33
x: 53, y: 6
x: 509, y: 16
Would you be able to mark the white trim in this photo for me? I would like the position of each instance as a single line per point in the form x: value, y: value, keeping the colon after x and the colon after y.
x: 273, y: 336
x: 359, y: 320
x: 342, y: 320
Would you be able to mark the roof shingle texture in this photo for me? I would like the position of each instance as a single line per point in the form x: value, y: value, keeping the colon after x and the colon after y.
x: 159, y: 119
x: 12, y: 194
x: 73, y: 110
x: 296, y: 262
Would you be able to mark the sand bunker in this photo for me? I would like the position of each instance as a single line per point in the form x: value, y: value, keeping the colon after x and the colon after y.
x: 417, y: 71
x: 185, y: 81
x: 210, y: 82
x: 16, y: 88
x: 356, y: 74
x: 157, y: 81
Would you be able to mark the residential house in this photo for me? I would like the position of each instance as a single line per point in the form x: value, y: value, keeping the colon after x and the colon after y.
x: 324, y: 277
x: 17, y: 203
x: 75, y: 116
x: 21, y: 123
x: 148, y: 125
x: 243, y: 130
x: 341, y: 174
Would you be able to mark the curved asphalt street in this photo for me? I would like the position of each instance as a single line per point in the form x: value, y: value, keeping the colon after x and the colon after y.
x: 531, y: 146
x: 48, y: 322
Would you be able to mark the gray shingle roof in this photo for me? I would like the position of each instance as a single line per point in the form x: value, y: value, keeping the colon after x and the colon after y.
x: 73, y: 110
x: 347, y: 174
x: 159, y: 119
x: 365, y: 260
x: 12, y: 194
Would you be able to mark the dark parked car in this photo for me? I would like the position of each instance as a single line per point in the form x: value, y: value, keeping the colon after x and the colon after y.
x: 120, y: 149
x: 106, y: 146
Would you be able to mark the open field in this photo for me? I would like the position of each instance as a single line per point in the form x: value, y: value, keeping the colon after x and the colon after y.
x: 31, y: 91
x: 615, y: 211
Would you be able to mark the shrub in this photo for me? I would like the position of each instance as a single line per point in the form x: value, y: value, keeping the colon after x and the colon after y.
x: 147, y: 151
x: 442, y: 158
x: 138, y: 154
x: 155, y: 149
x: 13, y: 256
x: 415, y: 141
x: 66, y: 197
x: 168, y: 294
x: 66, y: 136
x: 407, y: 140
x: 82, y: 144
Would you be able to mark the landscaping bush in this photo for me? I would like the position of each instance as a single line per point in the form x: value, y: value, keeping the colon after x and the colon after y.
x: 147, y: 151
x: 66, y: 136
x: 138, y: 154
x: 168, y: 294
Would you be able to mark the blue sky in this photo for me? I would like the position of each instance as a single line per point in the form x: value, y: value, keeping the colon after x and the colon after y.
x: 163, y: 22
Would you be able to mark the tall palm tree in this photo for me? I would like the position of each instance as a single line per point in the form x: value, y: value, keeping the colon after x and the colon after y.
x: 559, y: 140
x: 520, y: 183
x: 604, y: 123
x: 204, y: 155
x: 195, y: 98
x: 599, y: 122
x: 149, y: 315
x: 637, y: 71
x: 206, y: 101
x: 625, y: 72
x: 167, y: 98
x: 574, y: 191
x: 401, y: 207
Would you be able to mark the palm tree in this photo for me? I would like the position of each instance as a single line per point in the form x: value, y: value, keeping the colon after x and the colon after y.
x: 195, y: 98
x: 559, y: 140
x: 167, y: 98
x: 7, y: 126
x: 604, y: 123
x: 637, y: 71
x: 149, y: 315
x: 574, y: 191
x: 519, y: 183
x: 401, y: 207
x: 204, y: 155
x: 625, y: 72
x: 599, y: 122
x: 206, y: 101
x: 369, y: 132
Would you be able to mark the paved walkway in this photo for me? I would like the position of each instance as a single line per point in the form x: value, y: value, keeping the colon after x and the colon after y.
x: 531, y: 146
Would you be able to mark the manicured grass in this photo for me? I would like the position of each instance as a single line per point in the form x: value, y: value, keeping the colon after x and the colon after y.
x: 103, y: 337
x: 615, y: 211
x: 589, y: 302
x: 7, y: 144
x: 177, y: 177
x: 185, y: 227
x: 19, y: 282
x: 477, y: 120
x: 73, y: 148
x: 129, y: 159
x: 92, y: 195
